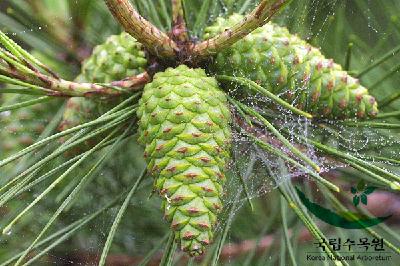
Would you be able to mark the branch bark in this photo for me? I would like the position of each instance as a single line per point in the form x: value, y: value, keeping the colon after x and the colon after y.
x: 257, y: 18
x: 155, y: 41
x: 133, y: 82
x: 57, y: 87
x: 68, y: 88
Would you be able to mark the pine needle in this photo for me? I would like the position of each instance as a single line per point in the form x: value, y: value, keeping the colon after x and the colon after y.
x: 379, y: 61
x: 169, y: 251
x: 71, y: 197
x: 76, y: 227
x: 118, y: 218
x: 244, y: 177
x: 271, y: 149
x: 361, y: 165
x: 286, y: 231
x: 152, y: 252
x: 25, y: 103
x: 117, y: 116
x: 254, y: 87
x: 65, y: 147
x: 306, y: 219
x: 284, y: 141
x: 201, y: 18
x: 54, y: 184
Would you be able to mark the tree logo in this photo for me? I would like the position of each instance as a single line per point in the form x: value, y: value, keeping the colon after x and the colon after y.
x: 345, y: 219
x: 361, y: 193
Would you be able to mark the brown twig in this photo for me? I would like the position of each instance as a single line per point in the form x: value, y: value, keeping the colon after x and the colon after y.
x: 69, y: 88
x: 134, y: 82
x: 63, y: 88
x: 155, y: 41
x: 257, y: 18
x: 179, y: 30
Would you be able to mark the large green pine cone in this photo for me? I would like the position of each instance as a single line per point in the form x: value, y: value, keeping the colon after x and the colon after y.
x: 293, y: 69
x: 119, y: 57
x: 184, y: 123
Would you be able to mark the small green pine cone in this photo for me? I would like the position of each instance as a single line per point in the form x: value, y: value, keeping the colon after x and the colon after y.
x: 119, y: 57
x: 184, y: 123
x: 293, y: 69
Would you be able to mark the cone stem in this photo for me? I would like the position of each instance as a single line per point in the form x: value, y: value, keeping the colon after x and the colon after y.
x: 257, y: 18
x: 155, y: 41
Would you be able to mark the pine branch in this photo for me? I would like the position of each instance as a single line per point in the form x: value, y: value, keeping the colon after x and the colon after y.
x: 63, y: 88
x: 179, y: 30
x: 155, y: 41
x: 257, y: 18
x: 19, y: 67
x: 67, y: 88
x: 133, y: 82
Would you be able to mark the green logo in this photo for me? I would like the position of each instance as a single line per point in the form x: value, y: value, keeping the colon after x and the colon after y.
x: 361, y: 192
x: 347, y: 220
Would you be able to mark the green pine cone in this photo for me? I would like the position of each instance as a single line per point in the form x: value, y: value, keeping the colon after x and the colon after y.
x: 293, y: 69
x: 184, y: 123
x: 119, y: 57
x: 22, y: 127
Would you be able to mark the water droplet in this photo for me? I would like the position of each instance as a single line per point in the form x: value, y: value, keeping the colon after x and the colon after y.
x: 7, y: 231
